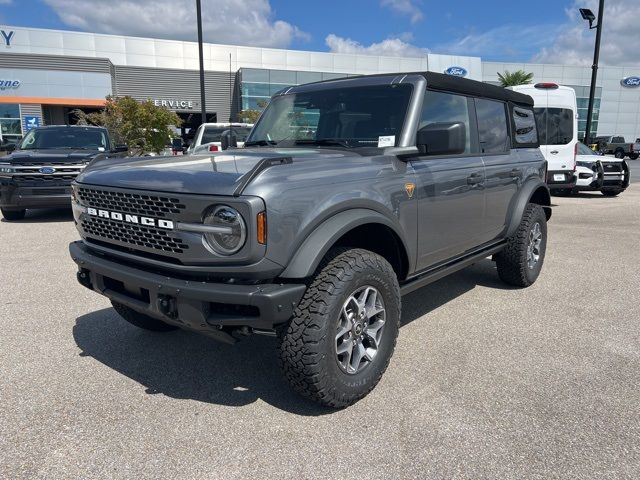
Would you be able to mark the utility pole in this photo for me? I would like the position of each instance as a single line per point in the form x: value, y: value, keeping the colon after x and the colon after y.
x: 594, y: 70
x: 203, y: 107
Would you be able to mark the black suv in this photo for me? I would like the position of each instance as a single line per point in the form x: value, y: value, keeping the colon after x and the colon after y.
x: 349, y: 194
x: 38, y: 174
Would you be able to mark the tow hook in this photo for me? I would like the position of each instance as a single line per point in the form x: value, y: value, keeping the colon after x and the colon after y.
x: 167, y: 306
x: 84, y: 278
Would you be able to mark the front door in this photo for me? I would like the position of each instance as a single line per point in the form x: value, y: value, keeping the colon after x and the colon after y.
x: 450, y: 190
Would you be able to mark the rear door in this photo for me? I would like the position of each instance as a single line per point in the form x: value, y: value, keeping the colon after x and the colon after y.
x: 558, y: 128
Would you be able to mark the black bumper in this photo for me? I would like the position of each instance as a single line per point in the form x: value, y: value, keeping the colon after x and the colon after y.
x: 16, y: 196
x: 196, y: 305
x: 568, y: 180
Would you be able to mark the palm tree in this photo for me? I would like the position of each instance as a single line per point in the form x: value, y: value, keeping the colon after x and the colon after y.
x: 519, y: 77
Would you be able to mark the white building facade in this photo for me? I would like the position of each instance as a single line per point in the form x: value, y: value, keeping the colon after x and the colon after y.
x: 48, y: 73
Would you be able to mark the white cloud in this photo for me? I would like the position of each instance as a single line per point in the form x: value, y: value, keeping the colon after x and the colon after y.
x: 405, y: 7
x: 620, y: 36
x: 394, y: 47
x: 239, y: 22
x: 6, y: 2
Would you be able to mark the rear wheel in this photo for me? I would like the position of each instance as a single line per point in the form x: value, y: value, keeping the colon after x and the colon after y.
x: 633, y: 156
x: 521, y: 260
x: 619, y: 154
x: 13, y: 215
x: 342, y: 335
x: 141, y: 320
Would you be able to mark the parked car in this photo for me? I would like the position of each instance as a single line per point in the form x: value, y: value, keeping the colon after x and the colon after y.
x: 410, y: 177
x: 556, y: 111
x: 605, y: 174
x: 636, y: 148
x: 616, y: 145
x: 207, y: 137
x: 38, y: 173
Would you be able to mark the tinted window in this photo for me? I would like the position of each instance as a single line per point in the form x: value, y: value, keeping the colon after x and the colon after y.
x: 492, y: 126
x: 584, y: 150
x: 74, y: 138
x: 212, y: 134
x: 445, y: 107
x: 555, y: 125
x: 525, y: 126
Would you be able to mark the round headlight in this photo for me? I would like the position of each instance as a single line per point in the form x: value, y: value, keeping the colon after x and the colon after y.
x: 229, y: 232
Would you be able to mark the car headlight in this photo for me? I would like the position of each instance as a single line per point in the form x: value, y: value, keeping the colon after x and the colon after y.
x: 228, y: 232
x: 6, y: 168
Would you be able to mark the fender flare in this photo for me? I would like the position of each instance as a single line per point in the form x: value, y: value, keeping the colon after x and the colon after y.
x: 526, y: 192
x: 313, y: 249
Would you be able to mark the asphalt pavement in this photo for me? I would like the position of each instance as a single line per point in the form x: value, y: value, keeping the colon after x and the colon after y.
x: 486, y: 381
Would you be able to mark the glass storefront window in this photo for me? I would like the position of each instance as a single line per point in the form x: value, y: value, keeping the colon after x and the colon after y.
x: 9, y: 110
x: 10, y: 123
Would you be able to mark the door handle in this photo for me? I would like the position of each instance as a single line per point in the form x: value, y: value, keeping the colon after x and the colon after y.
x: 474, y: 179
x: 514, y: 173
x: 554, y: 152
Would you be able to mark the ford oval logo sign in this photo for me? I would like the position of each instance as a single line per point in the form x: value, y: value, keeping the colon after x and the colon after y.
x: 47, y: 170
x: 456, y: 71
x: 630, y: 82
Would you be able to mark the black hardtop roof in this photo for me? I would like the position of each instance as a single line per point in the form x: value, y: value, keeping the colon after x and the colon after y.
x: 435, y: 81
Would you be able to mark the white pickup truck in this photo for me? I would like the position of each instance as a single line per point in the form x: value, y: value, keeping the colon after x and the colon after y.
x: 207, y: 137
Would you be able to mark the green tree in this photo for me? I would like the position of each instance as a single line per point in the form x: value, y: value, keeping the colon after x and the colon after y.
x: 251, y: 116
x: 143, y: 126
x: 511, y: 79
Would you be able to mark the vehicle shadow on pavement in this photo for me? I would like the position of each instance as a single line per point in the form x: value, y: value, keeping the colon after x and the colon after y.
x: 186, y: 365
x: 48, y: 215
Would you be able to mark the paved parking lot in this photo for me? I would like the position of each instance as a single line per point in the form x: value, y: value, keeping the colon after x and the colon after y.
x: 486, y: 381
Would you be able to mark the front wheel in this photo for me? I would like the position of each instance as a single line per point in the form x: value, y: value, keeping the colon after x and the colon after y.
x: 611, y: 192
x: 520, y: 262
x: 342, y: 335
x: 13, y: 215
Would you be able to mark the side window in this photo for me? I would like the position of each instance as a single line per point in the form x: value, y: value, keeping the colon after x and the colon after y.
x: 555, y: 125
x: 492, y: 126
x: 446, y: 107
x: 617, y: 140
x: 524, y: 122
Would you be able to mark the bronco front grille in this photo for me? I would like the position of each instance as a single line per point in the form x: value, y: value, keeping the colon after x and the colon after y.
x: 124, y: 202
x: 134, y: 235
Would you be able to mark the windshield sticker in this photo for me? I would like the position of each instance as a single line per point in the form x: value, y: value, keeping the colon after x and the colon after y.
x: 387, y: 141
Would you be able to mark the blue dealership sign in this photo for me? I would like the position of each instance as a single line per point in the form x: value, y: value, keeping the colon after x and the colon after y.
x: 630, y: 82
x: 31, y: 122
x: 456, y: 71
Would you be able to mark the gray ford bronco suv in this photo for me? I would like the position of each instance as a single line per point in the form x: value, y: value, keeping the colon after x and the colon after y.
x: 349, y: 194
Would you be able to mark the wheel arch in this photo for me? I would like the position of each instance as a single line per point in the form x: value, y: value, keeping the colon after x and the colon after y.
x: 533, y: 191
x: 357, y: 228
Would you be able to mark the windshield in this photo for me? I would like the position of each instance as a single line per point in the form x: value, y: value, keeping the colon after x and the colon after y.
x: 62, y: 138
x: 213, y: 134
x: 369, y: 116
x: 584, y: 150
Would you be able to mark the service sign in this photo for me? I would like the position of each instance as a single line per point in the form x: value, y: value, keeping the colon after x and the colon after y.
x: 456, y: 71
x: 630, y: 82
x: 175, y: 104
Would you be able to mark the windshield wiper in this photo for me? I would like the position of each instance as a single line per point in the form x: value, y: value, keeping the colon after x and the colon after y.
x: 261, y: 143
x: 325, y: 141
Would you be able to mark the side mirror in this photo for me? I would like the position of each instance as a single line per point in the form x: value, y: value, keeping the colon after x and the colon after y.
x: 229, y: 139
x: 443, y: 138
x: 121, y: 148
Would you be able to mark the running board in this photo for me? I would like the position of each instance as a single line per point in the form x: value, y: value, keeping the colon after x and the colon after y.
x: 441, y: 271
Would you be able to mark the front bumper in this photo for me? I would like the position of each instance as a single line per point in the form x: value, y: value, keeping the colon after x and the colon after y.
x: 53, y: 194
x: 202, y: 306
x: 561, y: 179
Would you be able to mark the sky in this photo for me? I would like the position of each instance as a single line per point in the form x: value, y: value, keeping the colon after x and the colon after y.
x: 542, y: 31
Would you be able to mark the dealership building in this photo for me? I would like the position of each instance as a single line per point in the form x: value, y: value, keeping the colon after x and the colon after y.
x: 46, y: 74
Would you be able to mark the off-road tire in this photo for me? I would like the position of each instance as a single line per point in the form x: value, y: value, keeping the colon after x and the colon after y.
x: 512, y: 261
x: 611, y: 192
x: 13, y: 215
x: 141, y: 320
x: 307, y: 348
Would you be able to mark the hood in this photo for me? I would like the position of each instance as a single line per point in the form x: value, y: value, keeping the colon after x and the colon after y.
x: 51, y: 156
x: 215, y: 174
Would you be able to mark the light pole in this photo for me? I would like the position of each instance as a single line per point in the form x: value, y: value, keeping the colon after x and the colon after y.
x: 590, y: 17
x: 203, y: 107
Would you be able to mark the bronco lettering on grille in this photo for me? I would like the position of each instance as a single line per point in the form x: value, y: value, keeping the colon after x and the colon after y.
x: 127, y: 218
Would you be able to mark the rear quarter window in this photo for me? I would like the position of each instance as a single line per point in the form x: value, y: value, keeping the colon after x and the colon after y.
x: 525, y: 132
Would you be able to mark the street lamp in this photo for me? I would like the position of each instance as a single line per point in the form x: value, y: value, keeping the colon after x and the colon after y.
x: 203, y: 107
x: 590, y: 17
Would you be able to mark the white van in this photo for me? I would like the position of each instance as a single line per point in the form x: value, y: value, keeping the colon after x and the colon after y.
x: 556, y: 113
x: 207, y: 137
